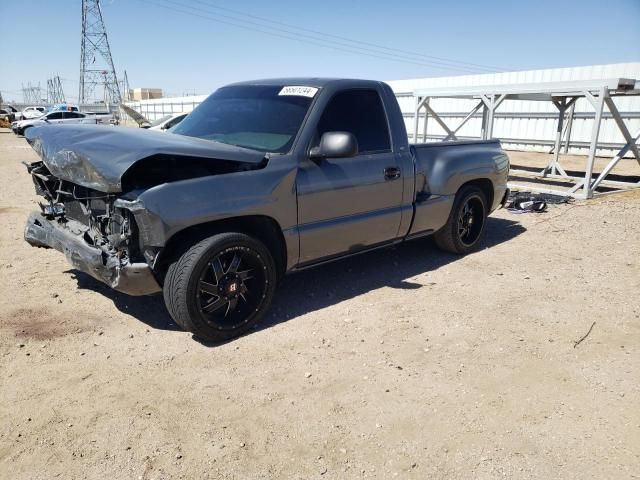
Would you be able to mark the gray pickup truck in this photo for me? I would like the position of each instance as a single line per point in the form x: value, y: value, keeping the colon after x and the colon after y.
x: 262, y: 179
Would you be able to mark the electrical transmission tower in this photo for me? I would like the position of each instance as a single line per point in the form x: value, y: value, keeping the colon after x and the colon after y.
x: 126, y: 97
x: 96, y: 64
x: 55, y: 94
x: 32, y: 95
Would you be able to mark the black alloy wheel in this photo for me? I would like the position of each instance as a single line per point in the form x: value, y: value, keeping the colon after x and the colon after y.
x: 465, y: 226
x: 221, y: 286
x: 471, y: 220
x: 231, y: 287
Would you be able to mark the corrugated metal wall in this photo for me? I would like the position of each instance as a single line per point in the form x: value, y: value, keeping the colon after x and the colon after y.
x: 532, y: 123
x: 528, y: 125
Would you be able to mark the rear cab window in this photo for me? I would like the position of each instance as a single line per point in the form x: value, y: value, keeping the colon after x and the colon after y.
x: 360, y: 112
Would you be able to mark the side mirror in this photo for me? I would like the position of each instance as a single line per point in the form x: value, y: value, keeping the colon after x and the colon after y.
x: 336, y: 145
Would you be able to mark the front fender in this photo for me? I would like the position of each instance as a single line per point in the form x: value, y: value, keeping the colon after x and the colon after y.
x: 165, y: 210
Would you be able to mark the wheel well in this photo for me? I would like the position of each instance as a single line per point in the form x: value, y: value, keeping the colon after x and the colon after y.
x: 262, y: 228
x: 487, y: 188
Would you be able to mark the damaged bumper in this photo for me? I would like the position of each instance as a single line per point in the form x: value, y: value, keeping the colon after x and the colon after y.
x: 129, y: 278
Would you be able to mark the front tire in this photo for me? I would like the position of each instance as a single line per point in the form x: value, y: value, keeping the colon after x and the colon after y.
x: 221, y: 287
x: 465, y: 226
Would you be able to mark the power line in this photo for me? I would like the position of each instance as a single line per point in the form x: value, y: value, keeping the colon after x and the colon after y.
x: 351, y: 40
x: 323, y: 42
x: 309, y: 39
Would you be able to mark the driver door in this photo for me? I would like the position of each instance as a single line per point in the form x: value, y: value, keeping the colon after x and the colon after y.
x: 350, y: 204
x: 55, y: 117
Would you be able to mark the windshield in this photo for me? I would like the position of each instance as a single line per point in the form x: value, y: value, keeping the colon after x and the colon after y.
x: 155, y: 123
x: 264, y: 118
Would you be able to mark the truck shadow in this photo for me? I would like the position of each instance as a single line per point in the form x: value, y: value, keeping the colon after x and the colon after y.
x: 318, y: 288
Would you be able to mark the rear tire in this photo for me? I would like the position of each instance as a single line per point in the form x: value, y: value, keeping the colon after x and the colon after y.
x: 220, y: 287
x: 465, y: 227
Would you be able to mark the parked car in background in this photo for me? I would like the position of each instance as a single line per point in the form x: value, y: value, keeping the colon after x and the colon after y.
x: 8, y: 113
x: 52, y: 118
x: 168, y: 121
x: 30, y: 112
x: 261, y: 179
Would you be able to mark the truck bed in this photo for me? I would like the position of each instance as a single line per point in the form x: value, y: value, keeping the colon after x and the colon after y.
x: 442, y: 167
x: 452, y: 143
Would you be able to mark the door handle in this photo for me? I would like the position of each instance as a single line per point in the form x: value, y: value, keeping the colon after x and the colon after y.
x: 391, y: 173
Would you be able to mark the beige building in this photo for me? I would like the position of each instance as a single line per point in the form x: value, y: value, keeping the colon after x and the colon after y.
x: 145, y: 93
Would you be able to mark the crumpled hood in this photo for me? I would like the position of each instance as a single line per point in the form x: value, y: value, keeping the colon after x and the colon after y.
x: 97, y: 156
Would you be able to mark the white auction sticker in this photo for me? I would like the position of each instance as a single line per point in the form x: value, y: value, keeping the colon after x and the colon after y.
x: 299, y: 91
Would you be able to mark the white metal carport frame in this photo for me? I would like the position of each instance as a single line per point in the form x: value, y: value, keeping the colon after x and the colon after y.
x: 563, y: 95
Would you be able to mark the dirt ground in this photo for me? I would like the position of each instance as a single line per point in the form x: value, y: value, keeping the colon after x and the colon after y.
x: 405, y: 363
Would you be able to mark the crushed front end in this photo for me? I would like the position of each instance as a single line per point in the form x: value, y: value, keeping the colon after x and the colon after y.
x: 95, y: 235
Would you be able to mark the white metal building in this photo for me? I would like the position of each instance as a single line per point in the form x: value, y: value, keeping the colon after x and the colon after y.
x: 158, y: 108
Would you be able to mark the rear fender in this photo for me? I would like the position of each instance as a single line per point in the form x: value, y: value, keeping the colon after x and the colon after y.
x: 443, y: 170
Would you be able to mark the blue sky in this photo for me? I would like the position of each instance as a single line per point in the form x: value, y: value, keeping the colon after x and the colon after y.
x: 160, y: 46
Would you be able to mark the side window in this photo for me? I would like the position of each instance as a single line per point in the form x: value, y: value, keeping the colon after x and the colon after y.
x: 70, y: 115
x: 175, y: 121
x: 359, y: 112
x: 55, y: 116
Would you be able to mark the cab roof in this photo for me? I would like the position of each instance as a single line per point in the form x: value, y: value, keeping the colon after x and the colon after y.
x: 318, y: 82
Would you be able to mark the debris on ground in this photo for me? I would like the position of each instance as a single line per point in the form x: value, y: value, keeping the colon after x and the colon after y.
x: 528, y: 202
